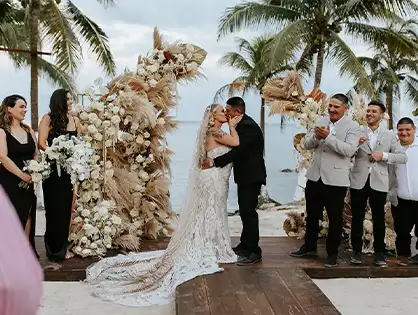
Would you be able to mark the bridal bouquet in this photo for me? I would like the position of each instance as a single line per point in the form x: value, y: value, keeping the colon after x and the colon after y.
x: 38, y: 169
x: 74, y: 155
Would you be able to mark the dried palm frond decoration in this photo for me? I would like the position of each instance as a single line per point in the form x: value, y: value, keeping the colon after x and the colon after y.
x: 285, y: 96
x: 127, y: 121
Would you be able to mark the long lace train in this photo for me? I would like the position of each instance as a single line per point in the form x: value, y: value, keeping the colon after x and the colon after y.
x: 198, y: 245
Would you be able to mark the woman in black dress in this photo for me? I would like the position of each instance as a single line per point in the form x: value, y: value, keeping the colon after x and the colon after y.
x: 58, y: 190
x: 17, y: 145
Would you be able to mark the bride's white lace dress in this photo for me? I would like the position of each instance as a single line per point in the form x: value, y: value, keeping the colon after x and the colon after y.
x: 200, y: 242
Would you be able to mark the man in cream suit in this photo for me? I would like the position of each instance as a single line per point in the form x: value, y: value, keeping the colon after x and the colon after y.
x: 370, y: 181
x: 335, y: 140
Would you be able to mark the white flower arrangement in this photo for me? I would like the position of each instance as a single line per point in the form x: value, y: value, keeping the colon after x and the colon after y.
x: 74, y: 155
x: 38, y: 169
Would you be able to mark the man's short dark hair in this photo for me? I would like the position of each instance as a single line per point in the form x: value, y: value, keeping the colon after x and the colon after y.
x: 237, y: 102
x: 377, y: 103
x: 341, y: 97
x: 405, y: 121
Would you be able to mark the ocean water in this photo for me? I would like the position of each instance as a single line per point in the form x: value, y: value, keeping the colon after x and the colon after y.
x: 279, y: 155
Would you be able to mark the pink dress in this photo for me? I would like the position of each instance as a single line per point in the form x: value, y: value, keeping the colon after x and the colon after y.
x: 20, y: 273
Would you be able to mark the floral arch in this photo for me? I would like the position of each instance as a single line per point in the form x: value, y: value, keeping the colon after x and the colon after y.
x: 126, y: 196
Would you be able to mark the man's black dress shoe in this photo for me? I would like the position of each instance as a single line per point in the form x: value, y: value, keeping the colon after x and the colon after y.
x: 249, y: 260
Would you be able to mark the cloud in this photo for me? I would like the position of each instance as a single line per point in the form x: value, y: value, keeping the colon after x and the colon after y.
x: 130, y: 26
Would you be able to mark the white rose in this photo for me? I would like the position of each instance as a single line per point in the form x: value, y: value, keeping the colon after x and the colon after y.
x: 115, y: 119
x: 147, y: 143
x: 78, y: 108
x: 160, y: 121
x: 160, y: 148
x: 139, y: 140
x: 180, y: 57
x: 146, y: 134
x: 192, y: 66
x: 116, y: 220
x: 92, y: 129
x: 152, y: 83
x: 84, y: 116
x: 95, y: 174
x: 122, y: 112
x: 92, y: 116
x: 140, y: 158
x: 106, y: 124
x: 93, y: 245
x: 115, y: 110
x: 85, y: 213
x: 86, y: 252
x: 83, y: 240
x: 111, y: 131
x: 108, y: 164
x: 98, y: 136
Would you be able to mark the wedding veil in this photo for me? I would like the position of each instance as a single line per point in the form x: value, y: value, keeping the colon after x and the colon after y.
x: 191, y: 199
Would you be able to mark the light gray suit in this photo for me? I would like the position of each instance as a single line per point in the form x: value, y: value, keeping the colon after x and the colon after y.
x: 332, y: 160
x: 379, y: 172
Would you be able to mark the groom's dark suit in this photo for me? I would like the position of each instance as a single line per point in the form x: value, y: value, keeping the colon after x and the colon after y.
x: 249, y: 175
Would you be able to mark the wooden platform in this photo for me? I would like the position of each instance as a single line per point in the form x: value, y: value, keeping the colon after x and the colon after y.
x: 275, y: 255
x: 279, y: 285
x: 264, y: 291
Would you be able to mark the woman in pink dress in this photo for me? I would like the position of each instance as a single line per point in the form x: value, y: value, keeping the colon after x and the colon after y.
x: 20, y: 273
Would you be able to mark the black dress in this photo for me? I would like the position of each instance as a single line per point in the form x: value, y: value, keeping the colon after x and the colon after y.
x: 23, y: 200
x: 58, y: 198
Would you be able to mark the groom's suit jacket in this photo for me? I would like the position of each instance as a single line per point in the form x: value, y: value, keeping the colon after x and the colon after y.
x: 248, y: 157
x: 388, y: 143
x: 332, y: 159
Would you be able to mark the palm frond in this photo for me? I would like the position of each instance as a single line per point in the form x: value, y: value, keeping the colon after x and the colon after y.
x: 411, y: 89
x: 236, y: 87
x: 56, y: 28
x: 289, y: 41
x: 253, y: 15
x: 341, y: 54
x: 107, y: 3
x: 237, y: 61
x: 94, y: 36
x: 382, y: 36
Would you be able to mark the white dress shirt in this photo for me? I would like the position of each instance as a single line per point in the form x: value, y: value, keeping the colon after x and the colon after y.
x: 407, y: 174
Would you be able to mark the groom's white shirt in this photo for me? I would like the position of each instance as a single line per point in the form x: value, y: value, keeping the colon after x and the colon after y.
x: 332, y: 159
x: 379, y: 141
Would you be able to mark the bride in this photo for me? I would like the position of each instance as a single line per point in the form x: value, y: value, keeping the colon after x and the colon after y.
x: 200, y: 242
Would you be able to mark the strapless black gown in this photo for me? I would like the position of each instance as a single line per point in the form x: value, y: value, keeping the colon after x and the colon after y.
x: 23, y: 200
x: 58, y: 198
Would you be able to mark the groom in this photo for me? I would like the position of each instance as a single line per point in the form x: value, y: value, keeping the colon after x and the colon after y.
x: 249, y: 175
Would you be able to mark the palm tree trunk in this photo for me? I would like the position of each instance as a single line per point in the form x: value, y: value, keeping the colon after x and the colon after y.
x: 34, y: 35
x: 319, y: 65
x: 389, y: 105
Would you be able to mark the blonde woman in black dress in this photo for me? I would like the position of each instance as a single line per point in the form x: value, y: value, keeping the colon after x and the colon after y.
x: 17, y: 145
x: 58, y: 190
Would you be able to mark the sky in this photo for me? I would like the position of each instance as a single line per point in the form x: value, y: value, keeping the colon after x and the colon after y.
x: 129, y: 26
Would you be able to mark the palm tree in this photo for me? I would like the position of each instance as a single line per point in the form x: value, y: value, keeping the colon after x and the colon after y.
x: 313, y: 28
x: 250, y: 60
x: 392, y: 70
x: 62, y: 25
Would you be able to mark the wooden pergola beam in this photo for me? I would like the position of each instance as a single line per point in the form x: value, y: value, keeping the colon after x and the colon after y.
x: 25, y: 51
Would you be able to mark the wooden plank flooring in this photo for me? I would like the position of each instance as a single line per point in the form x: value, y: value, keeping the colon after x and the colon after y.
x: 275, y: 254
x: 247, y: 291
x: 279, y: 285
